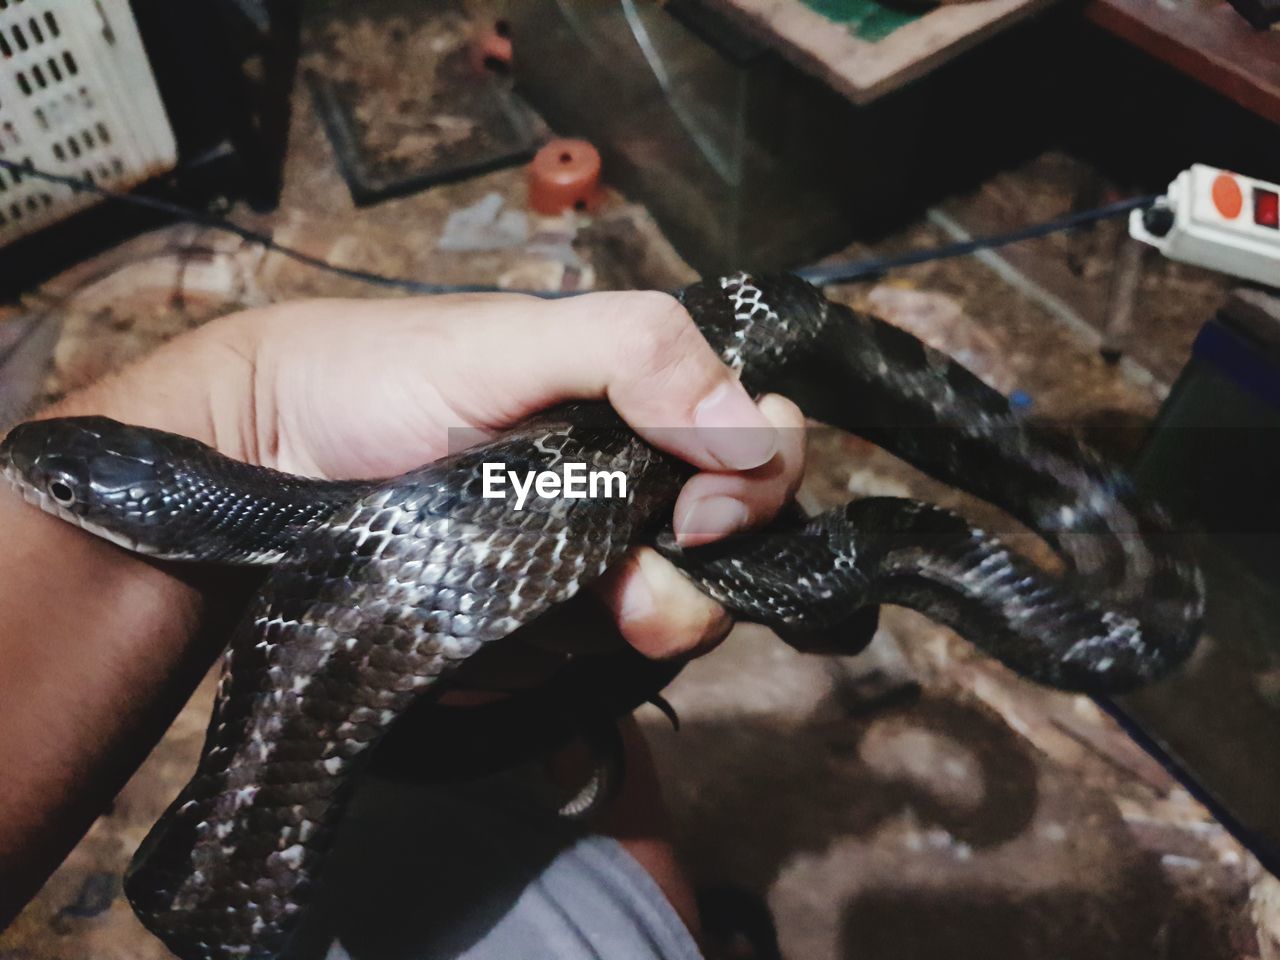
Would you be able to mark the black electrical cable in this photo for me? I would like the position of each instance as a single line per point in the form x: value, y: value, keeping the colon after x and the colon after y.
x: 265, y: 240
x: 851, y: 270
x: 820, y: 275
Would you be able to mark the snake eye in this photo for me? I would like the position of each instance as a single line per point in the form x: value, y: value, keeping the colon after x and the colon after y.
x: 62, y: 492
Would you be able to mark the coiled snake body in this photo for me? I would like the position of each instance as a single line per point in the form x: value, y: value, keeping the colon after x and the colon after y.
x: 379, y: 590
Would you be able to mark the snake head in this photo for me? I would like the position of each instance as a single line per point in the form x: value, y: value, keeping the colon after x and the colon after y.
x: 94, y: 472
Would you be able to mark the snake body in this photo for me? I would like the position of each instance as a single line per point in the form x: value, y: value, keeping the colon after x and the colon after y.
x: 378, y: 591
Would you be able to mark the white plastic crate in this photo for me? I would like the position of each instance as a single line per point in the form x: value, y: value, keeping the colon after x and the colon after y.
x: 77, y: 97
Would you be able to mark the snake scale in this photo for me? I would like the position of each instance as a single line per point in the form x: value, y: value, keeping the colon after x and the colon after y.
x: 378, y: 591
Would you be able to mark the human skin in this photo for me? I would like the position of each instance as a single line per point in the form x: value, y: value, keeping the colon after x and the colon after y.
x: 101, y: 648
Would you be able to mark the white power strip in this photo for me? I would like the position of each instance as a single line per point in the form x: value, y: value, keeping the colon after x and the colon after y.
x: 1216, y: 219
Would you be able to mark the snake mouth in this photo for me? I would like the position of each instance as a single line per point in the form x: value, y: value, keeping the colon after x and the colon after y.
x: 14, y: 479
x: 38, y: 498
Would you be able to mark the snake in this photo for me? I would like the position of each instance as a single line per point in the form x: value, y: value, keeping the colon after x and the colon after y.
x: 375, y: 593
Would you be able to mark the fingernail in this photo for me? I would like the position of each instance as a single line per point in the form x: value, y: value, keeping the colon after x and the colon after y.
x: 710, y: 519
x: 637, y: 603
x: 734, y: 431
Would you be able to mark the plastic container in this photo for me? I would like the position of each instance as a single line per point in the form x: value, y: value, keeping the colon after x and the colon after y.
x: 77, y: 98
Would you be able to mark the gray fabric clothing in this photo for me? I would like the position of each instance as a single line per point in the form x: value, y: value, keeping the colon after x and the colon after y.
x: 483, y: 871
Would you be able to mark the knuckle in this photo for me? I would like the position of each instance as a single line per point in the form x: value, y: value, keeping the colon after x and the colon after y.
x: 656, y: 307
x: 661, y: 336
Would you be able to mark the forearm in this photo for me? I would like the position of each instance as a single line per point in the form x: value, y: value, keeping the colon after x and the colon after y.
x: 94, y: 646
x: 99, y: 649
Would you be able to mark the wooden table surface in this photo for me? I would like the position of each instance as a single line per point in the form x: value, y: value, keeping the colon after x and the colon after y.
x: 1207, y: 40
x: 863, y: 68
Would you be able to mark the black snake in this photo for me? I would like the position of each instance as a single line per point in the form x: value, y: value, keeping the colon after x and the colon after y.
x: 379, y: 590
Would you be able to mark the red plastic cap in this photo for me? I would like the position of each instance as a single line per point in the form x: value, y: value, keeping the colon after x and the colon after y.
x: 491, y: 48
x: 564, y: 175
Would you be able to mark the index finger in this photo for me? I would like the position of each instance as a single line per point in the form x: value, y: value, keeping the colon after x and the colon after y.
x: 643, y: 353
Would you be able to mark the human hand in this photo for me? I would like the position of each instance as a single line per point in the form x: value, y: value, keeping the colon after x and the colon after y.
x: 354, y: 388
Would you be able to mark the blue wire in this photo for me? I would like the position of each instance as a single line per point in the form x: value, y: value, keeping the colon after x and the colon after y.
x: 851, y: 270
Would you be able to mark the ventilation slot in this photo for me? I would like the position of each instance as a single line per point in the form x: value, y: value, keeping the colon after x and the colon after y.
x: 78, y: 99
